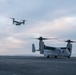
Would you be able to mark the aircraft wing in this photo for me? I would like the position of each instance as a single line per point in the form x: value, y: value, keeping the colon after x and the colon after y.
x: 16, y: 21
x: 63, y: 47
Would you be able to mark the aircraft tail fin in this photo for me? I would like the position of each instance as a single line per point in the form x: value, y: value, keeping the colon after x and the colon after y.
x: 33, y: 48
x: 13, y: 21
x: 23, y: 21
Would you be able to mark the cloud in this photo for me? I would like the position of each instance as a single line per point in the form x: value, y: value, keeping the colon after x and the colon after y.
x: 14, y: 40
x: 59, y: 25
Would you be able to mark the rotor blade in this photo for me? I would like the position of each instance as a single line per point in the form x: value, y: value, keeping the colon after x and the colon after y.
x: 12, y: 18
x: 70, y: 41
x: 50, y: 38
x: 41, y: 38
x: 24, y: 20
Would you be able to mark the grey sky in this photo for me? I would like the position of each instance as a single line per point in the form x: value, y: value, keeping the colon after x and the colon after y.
x: 47, y: 18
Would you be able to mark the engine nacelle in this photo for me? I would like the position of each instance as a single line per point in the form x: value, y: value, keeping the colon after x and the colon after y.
x: 69, y: 47
x: 41, y: 47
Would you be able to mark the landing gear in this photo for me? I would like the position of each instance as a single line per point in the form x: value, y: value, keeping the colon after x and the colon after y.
x: 55, y: 56
x: 48, y: 56
x: 68, y: 57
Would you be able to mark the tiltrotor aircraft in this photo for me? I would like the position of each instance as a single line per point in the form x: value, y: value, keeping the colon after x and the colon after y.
x: 17, y: 23
x: 49, y: 51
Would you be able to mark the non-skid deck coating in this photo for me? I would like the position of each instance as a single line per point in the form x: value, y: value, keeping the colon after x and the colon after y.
x: 37, y: 65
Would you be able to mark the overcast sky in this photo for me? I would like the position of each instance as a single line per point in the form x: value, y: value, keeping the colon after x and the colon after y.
x: 47, y: 18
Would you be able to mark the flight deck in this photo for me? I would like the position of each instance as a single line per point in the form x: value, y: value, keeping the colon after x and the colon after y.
x: 37, y: 65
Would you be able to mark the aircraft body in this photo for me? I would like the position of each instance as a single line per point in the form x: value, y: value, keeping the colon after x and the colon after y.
x: 49, y: 51
x: 17, y: 23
